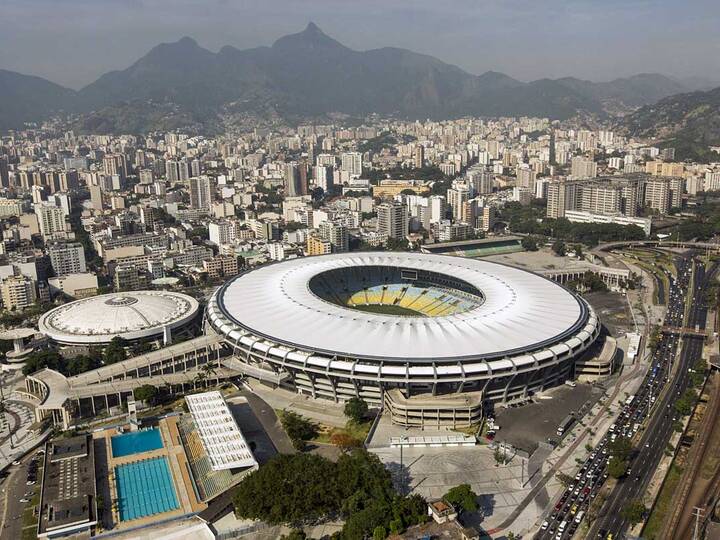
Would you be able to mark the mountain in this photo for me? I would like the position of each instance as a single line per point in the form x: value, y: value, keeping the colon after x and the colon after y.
x: 632, y: 91
x: 689, y: 122
x: 26, y: 98
x: 310, y: 74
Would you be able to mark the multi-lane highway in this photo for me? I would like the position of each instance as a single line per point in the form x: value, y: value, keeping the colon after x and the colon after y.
x: 661, y: 386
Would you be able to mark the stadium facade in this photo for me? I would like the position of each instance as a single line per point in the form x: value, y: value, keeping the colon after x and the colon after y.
x: 375, y: 324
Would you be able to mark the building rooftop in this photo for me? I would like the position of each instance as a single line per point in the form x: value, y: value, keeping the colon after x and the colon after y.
x: 131, y: 315
x: 221, y: 437
x: 68, y: 497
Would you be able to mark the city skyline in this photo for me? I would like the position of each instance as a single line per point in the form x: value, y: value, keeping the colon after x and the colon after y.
x: 89, y: 40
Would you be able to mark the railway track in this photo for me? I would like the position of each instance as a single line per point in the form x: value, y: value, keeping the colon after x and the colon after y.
x: 681, y: 518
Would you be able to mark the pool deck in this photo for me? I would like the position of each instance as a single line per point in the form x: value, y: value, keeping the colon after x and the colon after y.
x: 174, y: 452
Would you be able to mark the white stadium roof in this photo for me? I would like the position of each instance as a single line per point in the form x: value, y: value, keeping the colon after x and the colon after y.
x: 220, y: 435
x: 521, y: 311
x: 130, y: 315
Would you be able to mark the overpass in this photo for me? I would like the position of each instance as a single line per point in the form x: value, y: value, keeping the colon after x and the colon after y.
x: 709, y: 246
x: 178, y: 368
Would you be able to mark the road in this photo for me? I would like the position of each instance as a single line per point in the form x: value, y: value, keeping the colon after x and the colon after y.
x: 656, y: 436
x: 570, y: 509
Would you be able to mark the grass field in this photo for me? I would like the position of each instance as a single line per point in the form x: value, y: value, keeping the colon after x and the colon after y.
x: 384, y: 309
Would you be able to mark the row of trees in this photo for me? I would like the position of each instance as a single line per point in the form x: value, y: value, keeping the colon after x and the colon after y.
x: 531, y: 220
x: 302, y: 489
x: 115, y: 351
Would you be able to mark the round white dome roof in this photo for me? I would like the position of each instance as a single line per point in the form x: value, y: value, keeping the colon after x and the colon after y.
x: 130, y: 315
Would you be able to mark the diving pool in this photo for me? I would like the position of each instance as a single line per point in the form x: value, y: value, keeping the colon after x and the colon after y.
x: 136, y: 442
x: 145, y: 488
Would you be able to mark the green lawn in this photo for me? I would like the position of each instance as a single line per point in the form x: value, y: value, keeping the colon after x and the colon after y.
x: 357, y: 431
x: 653, y: 527
x: 385, y: 309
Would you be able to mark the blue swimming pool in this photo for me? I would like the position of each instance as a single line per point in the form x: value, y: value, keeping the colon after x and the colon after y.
x: 145, y: 488
x: 136, y: 442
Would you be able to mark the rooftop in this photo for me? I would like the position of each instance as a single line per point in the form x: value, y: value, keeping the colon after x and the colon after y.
x: 68, y: 498
x: 221, y: 437
x: 130, y: 315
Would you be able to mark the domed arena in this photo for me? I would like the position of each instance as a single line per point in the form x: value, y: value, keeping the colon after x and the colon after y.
x: 359, y: 324
x: 132, y: 316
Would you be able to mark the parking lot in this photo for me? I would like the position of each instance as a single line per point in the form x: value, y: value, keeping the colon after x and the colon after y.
x: 525, y: 426
x: 613, y: 310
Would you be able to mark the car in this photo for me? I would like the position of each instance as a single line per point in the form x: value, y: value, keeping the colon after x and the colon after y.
x: 16, y: 462
x: 30, y: 483
x: 545, y: 525
x: 23, y: 500
x: 574, y: 509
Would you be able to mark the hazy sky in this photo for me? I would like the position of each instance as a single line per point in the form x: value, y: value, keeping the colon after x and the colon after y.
x: 72, y: 42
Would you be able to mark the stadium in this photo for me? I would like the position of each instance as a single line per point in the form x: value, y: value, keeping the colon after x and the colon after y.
x: 133, y: 316
x: 373, y: 323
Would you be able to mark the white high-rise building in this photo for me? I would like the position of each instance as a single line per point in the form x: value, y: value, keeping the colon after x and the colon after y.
x: 351, y: 162
x: 67, y: 258
x: 200, y: 193
x: 393, y: 220
x: 51, y: 220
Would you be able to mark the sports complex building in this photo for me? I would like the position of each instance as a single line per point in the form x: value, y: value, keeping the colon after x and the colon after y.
x: 391, y: 326
x: 133, y: 316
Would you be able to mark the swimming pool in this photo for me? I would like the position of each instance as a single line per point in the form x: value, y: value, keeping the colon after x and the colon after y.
x: 136, y: 442
x: 144, y: 488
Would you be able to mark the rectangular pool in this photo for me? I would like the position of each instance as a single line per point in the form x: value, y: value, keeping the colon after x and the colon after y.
x: 136, y: 442
x: 145, y: 488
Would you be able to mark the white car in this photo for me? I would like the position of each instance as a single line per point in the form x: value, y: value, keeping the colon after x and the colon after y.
x: 544, y: 525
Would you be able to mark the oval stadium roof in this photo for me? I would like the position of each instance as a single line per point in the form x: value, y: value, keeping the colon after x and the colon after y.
x: 521, y: 311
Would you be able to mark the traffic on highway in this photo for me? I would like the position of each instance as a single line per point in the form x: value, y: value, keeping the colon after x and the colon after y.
x: 565, y: 517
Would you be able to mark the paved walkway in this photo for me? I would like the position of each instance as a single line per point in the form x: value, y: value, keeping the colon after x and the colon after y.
x: 323, y: 411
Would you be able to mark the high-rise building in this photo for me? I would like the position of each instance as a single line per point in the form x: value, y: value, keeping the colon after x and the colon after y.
x: 18, y: 292
x: 51, y: 220
x: 562, y: 195
x: 352, y: 163
x: 291, y: 181
x: 481, y: 180
x: 317, y: 246
x: 200, y: 193
x: 486, y: 218
x: 96, y: 197
x: 336, y: 234
x: 393, y: 220
x: 582, y: 167
x: 419, y: 156
x: 456, y: 198
x: 172, y: 173
x: 115, y: 165
x: 438, y: 208
x: 67, y: 258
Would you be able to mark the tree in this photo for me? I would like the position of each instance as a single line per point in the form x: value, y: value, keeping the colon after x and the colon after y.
x: 115, y: 350
x: 617, y: 467
x: 379, y: 533
x: 146, y: 393
x: 462, y: 497
x: 564, y: 479
x: 356, y: 409
x: 529, y: 243
x: 299, y: 429
x: 297, y: 488
x: 295, y: 534
x: 578, y: 251
x: 620, y: 448
x: 344, y: 441
x: 559, y: 248
x: 43, y: 359
x: 634, y: 511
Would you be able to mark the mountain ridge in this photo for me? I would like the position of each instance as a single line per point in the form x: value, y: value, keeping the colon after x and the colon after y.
x: 310, y: 74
